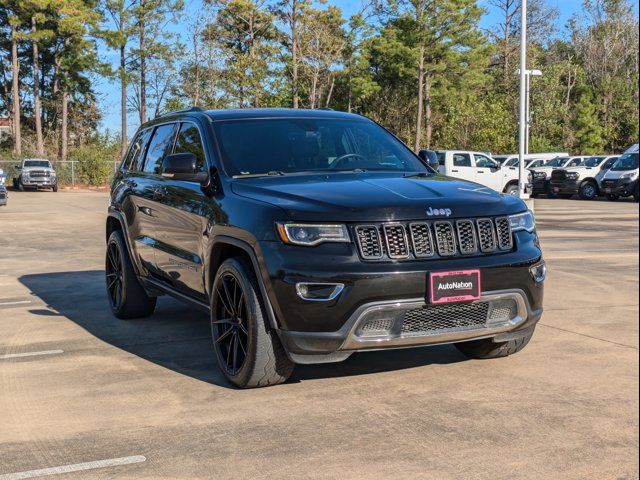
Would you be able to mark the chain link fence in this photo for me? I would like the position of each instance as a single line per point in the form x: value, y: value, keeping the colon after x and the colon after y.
x: 67, y: 171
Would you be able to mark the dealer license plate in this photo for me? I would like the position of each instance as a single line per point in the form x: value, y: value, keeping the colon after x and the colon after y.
x: 455, y: 286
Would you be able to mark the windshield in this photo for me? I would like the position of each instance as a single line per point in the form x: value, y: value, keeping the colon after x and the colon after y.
x: 37, y: 163
x: 628, y: 161
x: 289, y: 145
x: 592, y: 162
x: 557, y: 162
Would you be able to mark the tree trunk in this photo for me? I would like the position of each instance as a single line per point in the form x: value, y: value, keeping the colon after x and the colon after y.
x: 421, y: 75
x: 15, y: 93
x: 143, y: 73
x: 294, y: 54
x: 64, y: 138
x: 36, y: 93
x: 427, y: 112
x: 123, y: 100
x: 330, y: 94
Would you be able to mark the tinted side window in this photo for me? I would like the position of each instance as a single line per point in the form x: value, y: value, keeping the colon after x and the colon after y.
x: 189, y: 141
x: 461, y: 160
x: 574, y: 163
x: 136, y: 151
x: 159, y: 147
x: 442, y: 158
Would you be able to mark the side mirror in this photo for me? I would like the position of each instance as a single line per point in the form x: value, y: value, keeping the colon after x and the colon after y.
x: 430, y: 158
x: 18, y: 167
x: 183, y: 167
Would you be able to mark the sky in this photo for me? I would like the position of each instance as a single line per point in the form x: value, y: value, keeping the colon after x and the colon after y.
x: 109, y: 94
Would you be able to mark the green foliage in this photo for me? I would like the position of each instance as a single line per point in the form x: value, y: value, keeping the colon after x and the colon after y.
x: 96, y: 160
x: 587, y: 124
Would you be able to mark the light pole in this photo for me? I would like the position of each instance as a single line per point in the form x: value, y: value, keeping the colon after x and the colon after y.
x: 522, y: 128
x: 529, y: 74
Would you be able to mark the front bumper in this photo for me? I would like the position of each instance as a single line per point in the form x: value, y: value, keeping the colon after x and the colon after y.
x: 330, y: 331
x: 539, y: 185
x: 565, y: 187
x: 44, y: 182
x: 619, y: 187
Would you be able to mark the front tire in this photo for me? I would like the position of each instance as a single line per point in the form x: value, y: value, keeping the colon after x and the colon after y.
x: 486, y: 348
x: 127, y: 297
x: 588, y: 191
x: 512, y: 190
x: 54, y: 188
x: 248, y: 351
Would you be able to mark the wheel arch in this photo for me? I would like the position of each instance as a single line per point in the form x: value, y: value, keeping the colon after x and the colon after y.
x: 509, y: 184
x: 115, y: 222
x: 223, y: 247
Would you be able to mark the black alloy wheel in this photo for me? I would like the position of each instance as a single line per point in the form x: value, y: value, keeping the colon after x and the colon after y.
x: 113, y: 270
x: 230, y: 326
x: 127, y: 297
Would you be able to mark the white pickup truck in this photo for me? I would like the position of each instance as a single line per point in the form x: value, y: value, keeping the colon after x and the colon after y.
x: 480, y: 168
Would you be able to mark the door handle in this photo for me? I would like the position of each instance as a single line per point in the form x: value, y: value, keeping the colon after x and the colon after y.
x: 480, y: 171
x: 455, y: 171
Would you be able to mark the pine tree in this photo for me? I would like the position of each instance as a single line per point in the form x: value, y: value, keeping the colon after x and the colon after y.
x: 588, y: 127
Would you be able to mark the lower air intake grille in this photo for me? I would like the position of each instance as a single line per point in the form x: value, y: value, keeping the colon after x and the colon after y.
x: 431, y: 319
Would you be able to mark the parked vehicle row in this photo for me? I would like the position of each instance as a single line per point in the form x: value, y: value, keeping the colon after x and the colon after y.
x: 621, y: 180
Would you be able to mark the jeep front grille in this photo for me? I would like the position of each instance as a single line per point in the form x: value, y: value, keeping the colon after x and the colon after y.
x: 430, y: 239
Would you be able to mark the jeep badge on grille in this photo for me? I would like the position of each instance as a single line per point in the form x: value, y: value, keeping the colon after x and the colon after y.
x: 439, y: 212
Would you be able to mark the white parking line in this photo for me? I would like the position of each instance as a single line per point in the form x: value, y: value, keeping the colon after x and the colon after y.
x: 30, y: 354
x: 78, y: 467
x: 22, y: 302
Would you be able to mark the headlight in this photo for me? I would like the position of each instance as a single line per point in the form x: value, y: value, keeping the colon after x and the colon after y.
x: 523, y: 221
x: 310, y: 234
x: 573, y: 175
x: 631, y: 175
x: 539, y: 175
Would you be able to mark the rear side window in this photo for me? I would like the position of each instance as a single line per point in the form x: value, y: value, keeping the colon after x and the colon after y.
x: 159, y: 147
x: 136, y: 151
x: 574, y: 163
x: 442, y: 158
x: 189, y: 141
x: 461, y: 160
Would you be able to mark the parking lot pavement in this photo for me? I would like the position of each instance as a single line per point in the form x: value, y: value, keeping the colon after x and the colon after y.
x: 82, y: 392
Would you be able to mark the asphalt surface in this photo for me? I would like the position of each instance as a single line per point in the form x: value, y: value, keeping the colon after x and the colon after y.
x: 146, y: 397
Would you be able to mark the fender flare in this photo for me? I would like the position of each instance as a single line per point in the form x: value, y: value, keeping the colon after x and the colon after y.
x: 250, y: 251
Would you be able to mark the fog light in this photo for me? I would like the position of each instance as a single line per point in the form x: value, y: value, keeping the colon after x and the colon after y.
x: 319, y: 292
x: 539, y: 272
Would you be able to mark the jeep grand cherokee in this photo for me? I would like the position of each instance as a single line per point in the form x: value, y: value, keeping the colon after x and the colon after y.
x: 310, y: 235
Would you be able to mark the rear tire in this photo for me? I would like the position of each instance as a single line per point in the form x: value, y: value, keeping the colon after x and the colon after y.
x: 249, y: 352
x: 588, y: 190
x: 486, y: 348
x: 127, y: 297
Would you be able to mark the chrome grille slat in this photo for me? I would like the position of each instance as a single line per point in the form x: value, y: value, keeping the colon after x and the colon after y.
x: 369, y: 242
x: 486, y: 235
x: 422, y: 240
x: 445, y: 238
x: 505, y: 237
x: 466, y: 237
x: 395, y: 239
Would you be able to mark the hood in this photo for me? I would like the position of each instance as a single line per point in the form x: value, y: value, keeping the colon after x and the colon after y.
x: 364, y: 197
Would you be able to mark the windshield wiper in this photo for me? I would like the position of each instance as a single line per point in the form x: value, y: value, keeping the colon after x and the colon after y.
x: 418, y: 174
x: 273, y: 173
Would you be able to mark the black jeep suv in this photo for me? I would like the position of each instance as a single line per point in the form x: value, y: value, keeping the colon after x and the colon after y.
x: 310, y: 235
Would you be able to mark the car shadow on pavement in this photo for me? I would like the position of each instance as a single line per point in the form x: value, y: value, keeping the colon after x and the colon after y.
x: 178, y: 337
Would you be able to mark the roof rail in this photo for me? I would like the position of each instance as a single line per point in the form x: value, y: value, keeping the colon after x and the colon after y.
x: 184, y: 110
